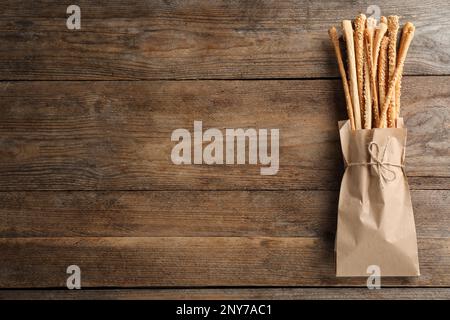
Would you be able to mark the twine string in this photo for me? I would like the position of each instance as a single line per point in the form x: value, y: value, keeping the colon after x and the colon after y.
x: 379, y: 161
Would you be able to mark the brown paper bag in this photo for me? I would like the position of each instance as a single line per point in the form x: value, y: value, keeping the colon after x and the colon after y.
x: 375, y: 217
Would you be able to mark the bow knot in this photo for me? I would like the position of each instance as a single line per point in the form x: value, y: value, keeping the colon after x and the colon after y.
x: 378, y: 159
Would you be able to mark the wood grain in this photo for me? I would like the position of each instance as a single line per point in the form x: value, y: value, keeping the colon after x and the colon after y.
x: 116, y: 135
x: 193, y: 213
x: 158, y: 39
x: 85, y: 170
x: 233, y: 294
x: 196, y: 261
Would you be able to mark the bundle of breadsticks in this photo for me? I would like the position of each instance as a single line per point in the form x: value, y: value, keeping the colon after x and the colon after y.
x: 375, y: 224
x: 373, y: 73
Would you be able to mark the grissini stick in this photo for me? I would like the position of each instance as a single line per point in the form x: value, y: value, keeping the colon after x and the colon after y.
x: 399, y: 80
x: 398, y: 87
x: 371, y: 109
x: 368, y: 99
x: 371, y: 28
x: 383, y: 73
x: 397, y: 95
x: 407, y: 36
x: 379, y: 34
x: 335, y: 40
x: 360, y: 25
x: 385, y: 83
x: 390, y: 116
x: 393, y: 25
x: 348, y: 35
x: 367, y: 112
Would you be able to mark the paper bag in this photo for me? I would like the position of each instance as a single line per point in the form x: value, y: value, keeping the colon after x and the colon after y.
x: 375, y: 216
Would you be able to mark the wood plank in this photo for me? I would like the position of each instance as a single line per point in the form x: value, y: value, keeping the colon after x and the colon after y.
x: 116, y: 135
x: 233, y: 294
x: 141, y: 39
x: 194, y: 213
x: 196, y: 261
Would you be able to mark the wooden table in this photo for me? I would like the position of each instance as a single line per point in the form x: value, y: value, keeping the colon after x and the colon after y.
x: 85, y: 171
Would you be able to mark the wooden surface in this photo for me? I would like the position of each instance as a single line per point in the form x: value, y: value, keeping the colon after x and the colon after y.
x: 85, y: 170
x: 234, y: 294
x: 116, y: 135
x: 159, y: 39
x: 196, y: 261
x: 194, y: 213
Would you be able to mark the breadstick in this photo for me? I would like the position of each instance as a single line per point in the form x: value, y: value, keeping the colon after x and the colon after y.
x: 384, y: 20
x: 393, y: 25
x: 375, y: 39
x: 348, y: 35
x: 367, y: 115
x: 373, y: 86
x: 360, y: 25
x: 371, y: 26
x: 379, y: 34
x: 390, y: 117
x: 407, y: 36
x: 369, y: 40
x: 335, y: 40
x: 399, y: 81
x: 398, y: 88
x: 382, y: 72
